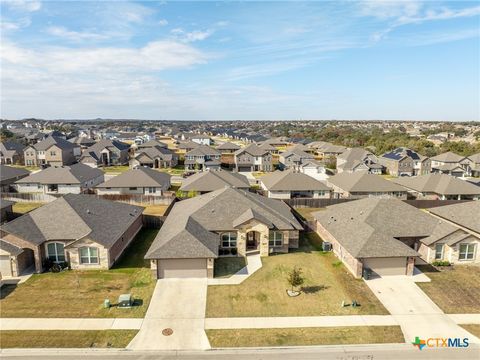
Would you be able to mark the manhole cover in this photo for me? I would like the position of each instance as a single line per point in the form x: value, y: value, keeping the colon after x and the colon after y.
x: 167, y: 332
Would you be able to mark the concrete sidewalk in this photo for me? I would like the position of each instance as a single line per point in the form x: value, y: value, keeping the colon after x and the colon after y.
x: 254, y: 263
x: 70, y: 324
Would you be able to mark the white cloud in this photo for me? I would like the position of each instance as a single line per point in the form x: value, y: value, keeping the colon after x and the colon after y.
x: 23, y: 5
x: 7, y: 25
x: 196, y: 35
x: 384, y: 9
x: 163, y: 22
x: 75, y: 36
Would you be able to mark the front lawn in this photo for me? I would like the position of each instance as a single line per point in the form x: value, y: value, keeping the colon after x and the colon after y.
x: 455, y: 290
x: 66, y: 339
x: 327, y: 284
x: 227, y: 266
x: 305, y: 336
x: 24, y: 207
x: 115, y: 169
x: 78, y: 293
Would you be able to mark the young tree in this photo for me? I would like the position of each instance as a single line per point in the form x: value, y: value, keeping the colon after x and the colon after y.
x: 295, y: 277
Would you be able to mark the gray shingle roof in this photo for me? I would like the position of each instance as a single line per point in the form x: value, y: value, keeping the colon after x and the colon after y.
x: 214, y: 212
x: 213, y: 180
x: 441, y: 184
x: 253, y: 150
x: 228, y: 146
x: 448, y: 157
x: 364, y: 182
x: 73, y: 174
x: 139, y: 177
x: 369, y: 227
x: 6, y: 203
x: 10, y: 248
x: 202, y: 150
x: 292, y: 181
x: 9, y: 172
x: 107, y: 143
x: 465, y: 214
x: 73, y: 217
x: 53, y: 140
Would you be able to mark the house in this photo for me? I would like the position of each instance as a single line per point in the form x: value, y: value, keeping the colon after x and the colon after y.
x: 403, y: 161
x: 84, y: 231
x: 186, y: 146
x: 224, y: 222
x: 289, y: 184
x: 202, y: 140
x: 53, y: 151
x: 6, y: 210
x: 358, y: 159
x: 82, y: 141
x: 253, y: 158
x: 106, y: 152
x: 11, y: 153
x: 385, y: 235
x: 207, y: 181
x: 8, y: 175
x: 154, y: 154
x: 451, y: 164
x: 326, y: 150
x: 74, y: 179
x: 137, y: 181
x: 294, y: 158
x: 228, y: 148
x: 202, y: 158
x: 475, y: 165
x: 274, y: 145
x: 439, y: 186
x: 315, y: 170
x: 361, y: 184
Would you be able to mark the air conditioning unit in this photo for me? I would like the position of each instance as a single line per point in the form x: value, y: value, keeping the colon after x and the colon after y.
x: 326, y: 246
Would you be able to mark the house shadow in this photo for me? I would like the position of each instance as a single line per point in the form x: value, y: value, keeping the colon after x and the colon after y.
x: 6, y: 290
x: 313, y: 289
x: 427, y: 268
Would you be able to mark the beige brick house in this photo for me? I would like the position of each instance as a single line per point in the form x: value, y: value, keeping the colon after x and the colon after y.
x: 51, y: 151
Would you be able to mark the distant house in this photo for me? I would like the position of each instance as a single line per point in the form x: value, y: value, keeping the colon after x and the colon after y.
x: 82, y: 141
x: 325, y: 150
x: 202, y: 158
x: 207, y: 181
x: 253, y: 158
x: 225, y: 222
x: 439, y: 186
x: 139, y: 181
x: 288, y: 184
x: 53, y: 151
x: 404, y: 161
x: 451, y: 164
x: 82, y: 230
x: 295, y: 158
x: 358, y: 159
x: 73, y: 179
x: 154, y: 154
x: 475, y: 165
x: 8, y: 175
x: 228, y: 148
x: 274, y: 145
x: 362, y: 184
x: 389, y: 236
x: 202, y: 140
x: 187, y: 146
x: 106, y: 152
x: 315, y: 170
x: 11, y: 153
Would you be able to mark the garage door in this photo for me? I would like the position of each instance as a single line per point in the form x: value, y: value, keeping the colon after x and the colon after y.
x: 182, y: 268
x: 244, y: 169
x: 5, y: 266
x: 387, y: 266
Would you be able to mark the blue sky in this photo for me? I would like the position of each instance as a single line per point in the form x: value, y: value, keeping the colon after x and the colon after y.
x: 241, y: 60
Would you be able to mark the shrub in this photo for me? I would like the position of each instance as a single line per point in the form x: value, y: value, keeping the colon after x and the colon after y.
x: 441, y: 263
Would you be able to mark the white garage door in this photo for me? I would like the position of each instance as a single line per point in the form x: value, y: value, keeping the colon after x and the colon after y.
x: 5, y: 266
x: 387, y: 266
x: 182, y: 268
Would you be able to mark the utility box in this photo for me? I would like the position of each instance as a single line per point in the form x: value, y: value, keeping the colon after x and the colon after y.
x: 106, y: 303
x: 125, y: 301
x: 367, y: 273
x: 326, y: 246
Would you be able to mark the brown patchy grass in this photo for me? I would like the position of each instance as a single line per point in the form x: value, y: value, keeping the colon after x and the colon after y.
x: 327, y: 284
x: 24, y: 207
x: 474, y: 329
x: 455, y: 290
x: 157, y: 210
x: 305, y: 336
x: 78, y: 293
x: 65, y: 339
x: 307, y: 213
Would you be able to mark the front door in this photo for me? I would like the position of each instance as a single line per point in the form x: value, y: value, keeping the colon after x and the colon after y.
x: 252, y: 240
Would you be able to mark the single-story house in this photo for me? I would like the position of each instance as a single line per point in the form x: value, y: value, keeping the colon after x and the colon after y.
x: 82, y: 230
x: 74, y: 179
x: 294, y: 158
x: 106, y: 152
x: 6, y: 209
x: 224, y: 222
x: 315, y: 170
x: 154, y: 156
x: 8, y: 176
x: 289, y: 184
x: 138, y: 181
x: 362, y: 184
x: 212, y: 180
x: 439, y: 186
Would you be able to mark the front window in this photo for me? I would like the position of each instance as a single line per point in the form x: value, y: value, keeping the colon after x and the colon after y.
x: 56, y: 252
x: 229, y: 240
x: 438, y: 251
x: 275, y: 238
x: 132, y: 188
x: 88, y: 255
x: 467, y: 252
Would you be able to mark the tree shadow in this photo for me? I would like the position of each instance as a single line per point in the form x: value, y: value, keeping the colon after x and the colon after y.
x: 313, y: 289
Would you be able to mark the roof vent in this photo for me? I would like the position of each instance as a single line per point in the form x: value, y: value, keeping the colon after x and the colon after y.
x: 88, y: 211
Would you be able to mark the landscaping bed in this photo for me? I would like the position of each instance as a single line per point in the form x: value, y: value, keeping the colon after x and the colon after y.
x: 305, y: 336
x: 66, y: 339
x: 327, y: 284
x: 455, y: 289
x: 75, y: 293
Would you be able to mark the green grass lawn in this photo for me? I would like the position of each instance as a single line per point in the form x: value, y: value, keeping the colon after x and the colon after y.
x: 327, y: 284
x: 474, y: 329
x: 455, y: 290
x: 306, y: 213
x: 77, y: 293
x: 66, y: 339
x: 24, y: 207
x: 305, y: 336
x: 174, y: 171
x: 227, y: 266
x: 29, y: 168
x: 115, y: 169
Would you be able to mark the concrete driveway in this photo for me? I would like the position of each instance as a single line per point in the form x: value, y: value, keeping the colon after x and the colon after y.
x: 178, y: 304
x: 415, y: 312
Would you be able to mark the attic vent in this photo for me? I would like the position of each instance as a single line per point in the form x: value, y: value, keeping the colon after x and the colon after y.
x: 88, y: 211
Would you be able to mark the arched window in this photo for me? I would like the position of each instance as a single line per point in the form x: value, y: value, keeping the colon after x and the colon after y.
x: 229, y: 240
x: 56, y: 252
x: 89, y: 255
